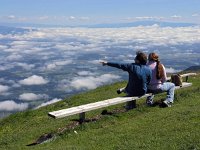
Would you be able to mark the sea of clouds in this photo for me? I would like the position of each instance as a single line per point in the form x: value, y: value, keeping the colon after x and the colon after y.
x: 42, y: 66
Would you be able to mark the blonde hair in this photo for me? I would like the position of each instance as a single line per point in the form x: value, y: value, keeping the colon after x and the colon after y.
x: 159, y: 66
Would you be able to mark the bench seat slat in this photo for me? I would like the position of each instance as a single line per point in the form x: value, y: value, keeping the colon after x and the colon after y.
x: 118, y: 100
x: 188, y: 74
x: 184, y: 84
x: 65, y: 112
x: 93, y: 106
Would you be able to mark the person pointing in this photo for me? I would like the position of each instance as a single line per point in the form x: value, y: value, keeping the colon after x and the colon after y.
x: 139, y: 74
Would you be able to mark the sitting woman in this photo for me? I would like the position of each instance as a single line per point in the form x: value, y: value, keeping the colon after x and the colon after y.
x: 158, y: 82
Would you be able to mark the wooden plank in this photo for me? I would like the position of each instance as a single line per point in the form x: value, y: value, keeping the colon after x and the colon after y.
x: 188, y: 74
x: 77, y: 109
x: 65, y: 112
x: 118, y: 100
x: 184, y: 85
x: 92, y: 106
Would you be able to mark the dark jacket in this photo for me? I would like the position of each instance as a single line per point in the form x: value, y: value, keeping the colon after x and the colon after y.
x: 139, y: 77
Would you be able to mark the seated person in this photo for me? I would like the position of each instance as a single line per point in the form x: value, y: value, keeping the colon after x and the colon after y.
x: 158, y: 81
x: 139, y: 74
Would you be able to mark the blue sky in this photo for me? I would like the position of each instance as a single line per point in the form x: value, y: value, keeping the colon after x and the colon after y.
x: 77, y: 12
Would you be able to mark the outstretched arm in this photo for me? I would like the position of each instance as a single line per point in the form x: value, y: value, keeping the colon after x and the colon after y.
x: 103, y: 63
x: 124, y: 67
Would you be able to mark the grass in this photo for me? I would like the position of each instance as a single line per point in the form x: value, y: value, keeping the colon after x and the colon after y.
x: 142, y: 128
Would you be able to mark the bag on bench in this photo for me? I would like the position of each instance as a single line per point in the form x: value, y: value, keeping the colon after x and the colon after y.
x: 176, y: 79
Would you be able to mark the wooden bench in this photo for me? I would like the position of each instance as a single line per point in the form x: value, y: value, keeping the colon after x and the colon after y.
x: 185, y: 75
x: 82, y: 109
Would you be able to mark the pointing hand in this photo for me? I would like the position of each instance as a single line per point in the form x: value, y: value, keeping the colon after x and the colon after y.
x: 103, y: 63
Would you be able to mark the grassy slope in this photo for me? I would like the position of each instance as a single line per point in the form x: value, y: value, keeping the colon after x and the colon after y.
x: 142, y: 128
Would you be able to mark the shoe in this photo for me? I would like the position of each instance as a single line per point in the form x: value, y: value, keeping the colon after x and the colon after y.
x: 119, y: 91
x: 149, y: 100
x: 167, y: 103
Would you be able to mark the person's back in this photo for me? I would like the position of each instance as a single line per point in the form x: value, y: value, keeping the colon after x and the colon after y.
x: 138, y: 79
x: 155, y: 82
x: 139, y: 75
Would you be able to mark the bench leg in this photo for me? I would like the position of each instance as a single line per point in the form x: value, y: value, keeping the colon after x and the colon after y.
x: 186, y: 78
x: 82, y: 117
x: 130, y: 105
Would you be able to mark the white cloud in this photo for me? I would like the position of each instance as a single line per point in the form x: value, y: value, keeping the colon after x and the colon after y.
x: 10, y: 82
x: 57, y: 64
x: 63, y: 85
x: 176, y: 17
x: 149, y: 18
x: 10, y: 105
x: 85, y: 18
x: 72, y: 18
x: 171, y: 70
x: 61, y: 63
x: 44, y: 18
x: 51, y: 66
x: 85, y: 73
x: 16, y: 85
x: 49, y: 102
x: 26, y: 66
x: 14, y: 57
x: 2, y: 80
x: 195, y: 15
x: 3, y: 89
x: 32, y: 97
x: 96, y: 62
x: 11, y: 17
x: 86, y: 82
x: 6, y: 66
x: 2, y: 47
x: 33, y: 80
x: 92, y: 82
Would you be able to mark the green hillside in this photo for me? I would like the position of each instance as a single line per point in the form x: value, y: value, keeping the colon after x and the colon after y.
x: 145, y: 127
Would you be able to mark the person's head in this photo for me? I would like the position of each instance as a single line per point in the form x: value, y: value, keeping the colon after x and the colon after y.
x: 159, y: 67
x: 141, y: 58
x: 153, y: 57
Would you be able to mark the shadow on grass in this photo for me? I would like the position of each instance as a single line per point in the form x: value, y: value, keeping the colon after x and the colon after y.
x: 76, y: 122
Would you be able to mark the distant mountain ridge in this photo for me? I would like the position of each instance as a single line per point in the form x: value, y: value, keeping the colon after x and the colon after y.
x: 11, y: 30
x: 193, y: 68
x: 143, y: 23
x: 106, y: 25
